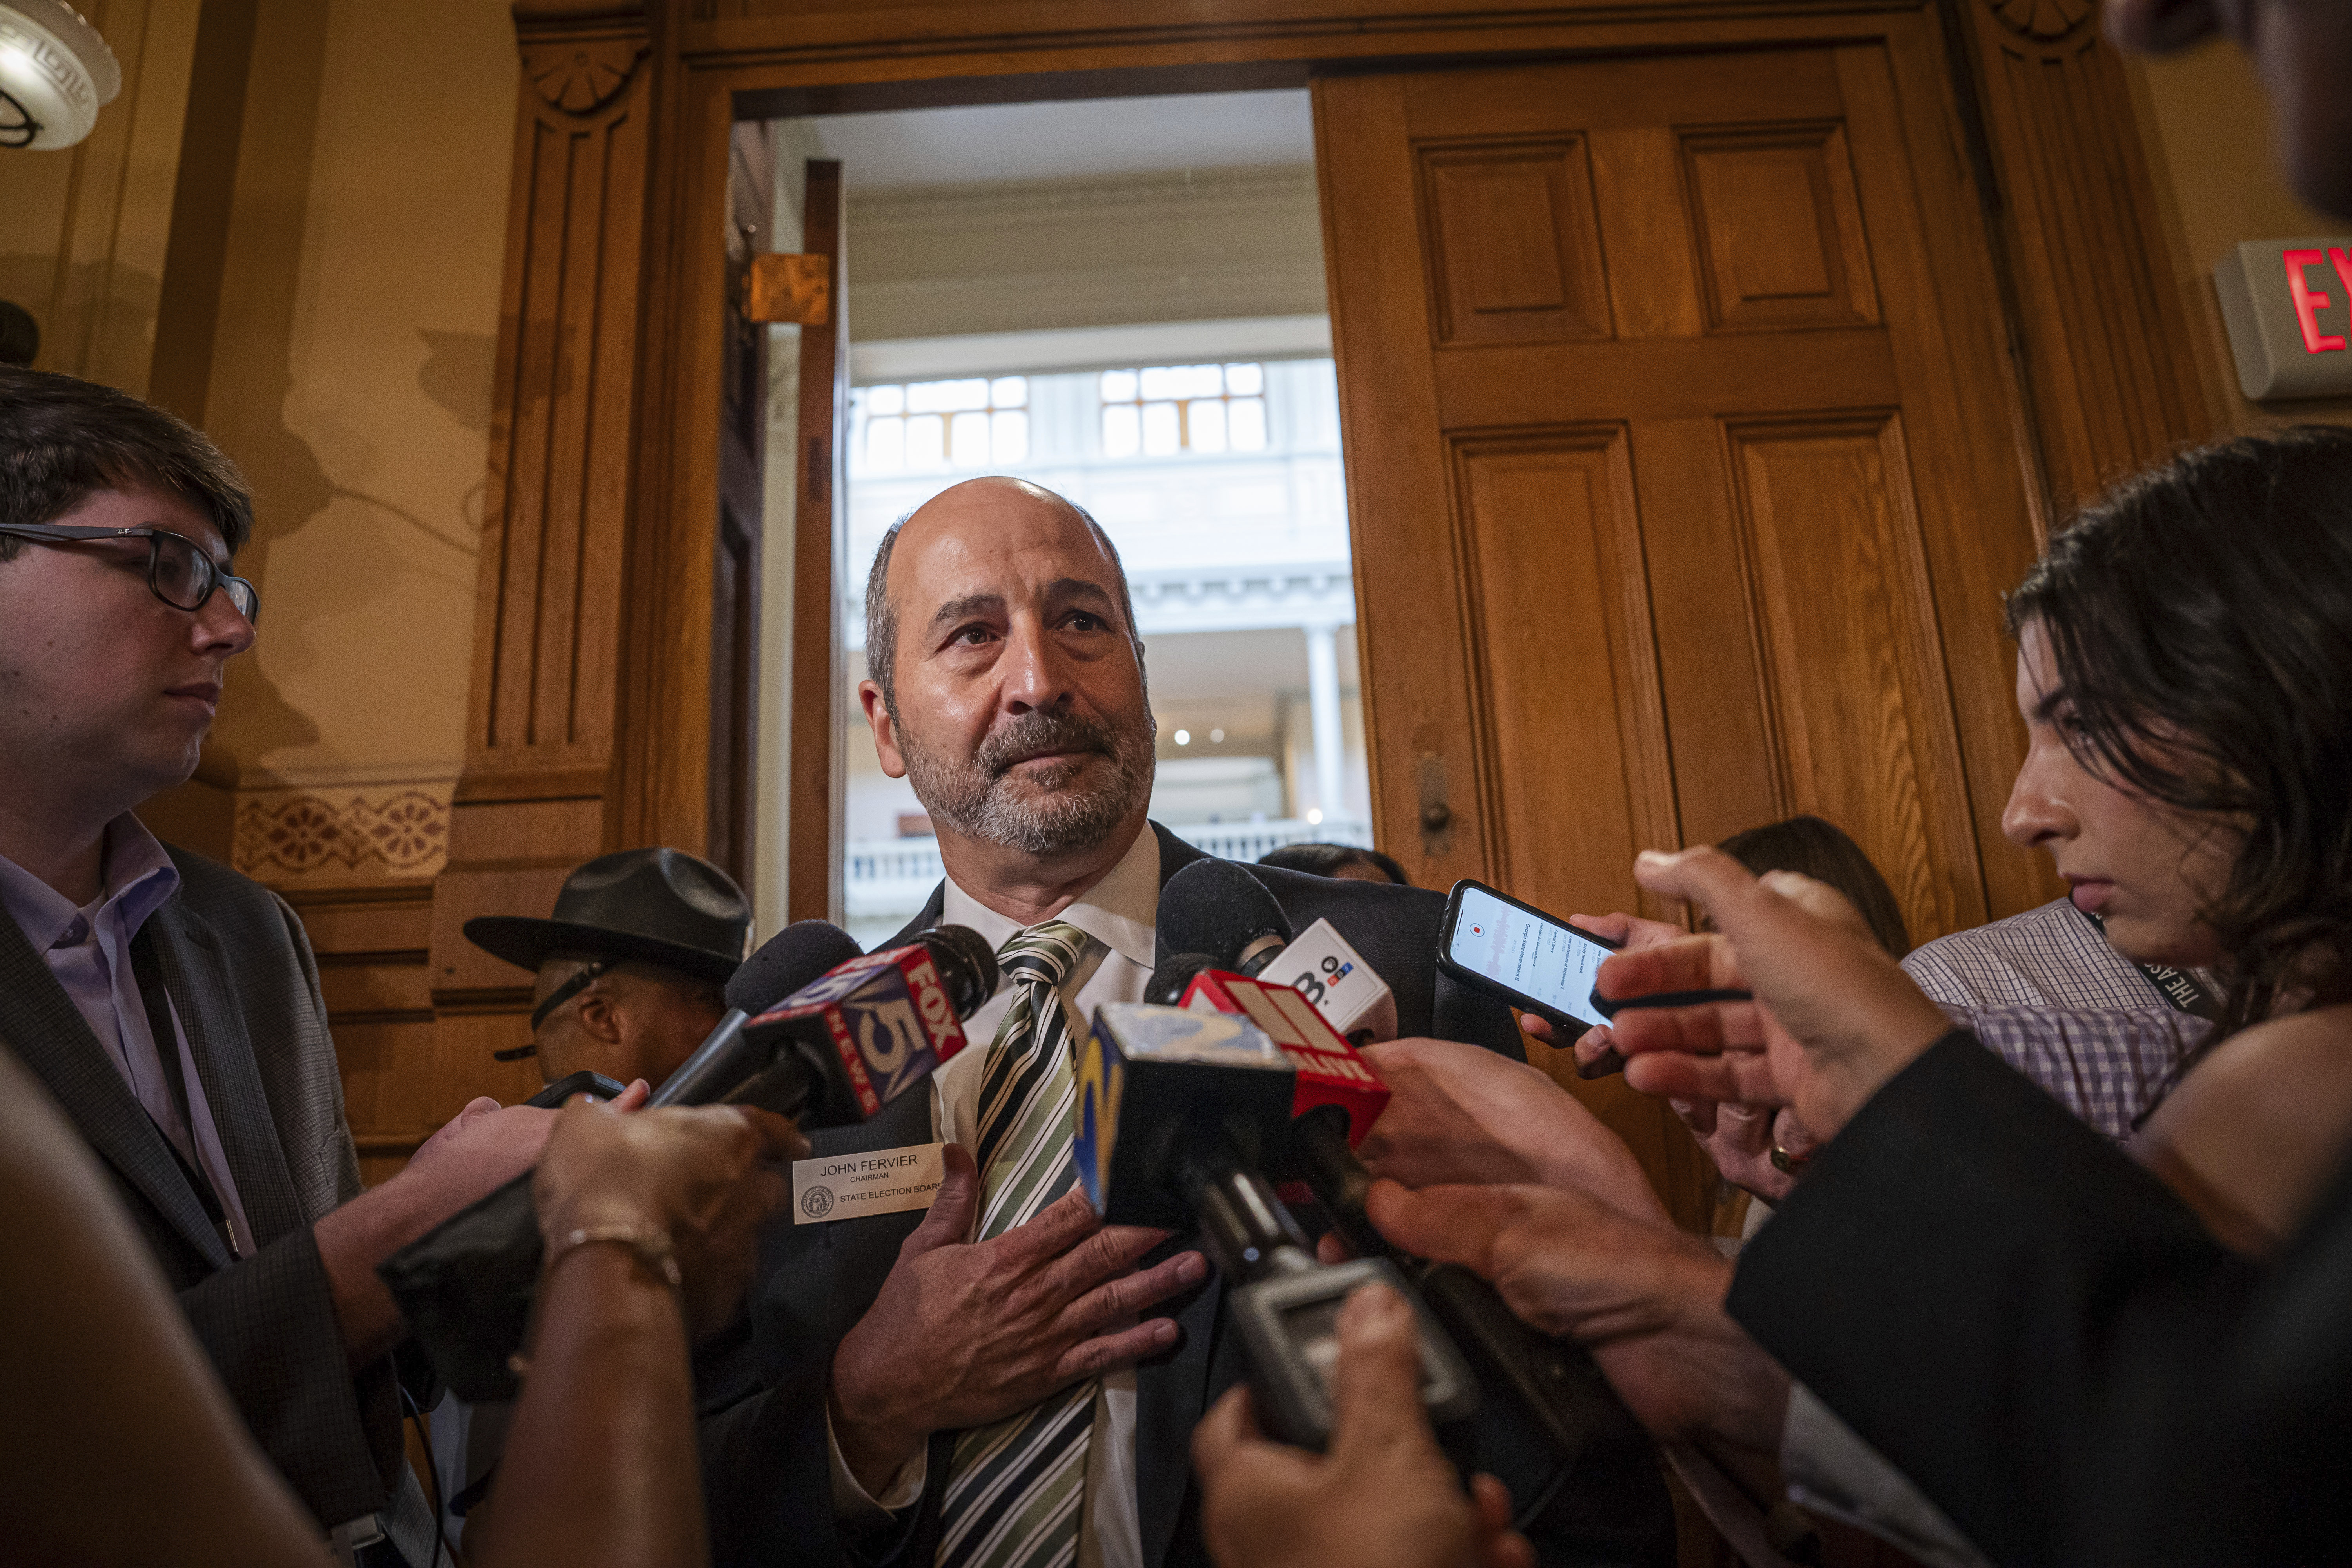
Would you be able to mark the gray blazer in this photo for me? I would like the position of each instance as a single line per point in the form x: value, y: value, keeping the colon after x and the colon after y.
x: 239, y: 972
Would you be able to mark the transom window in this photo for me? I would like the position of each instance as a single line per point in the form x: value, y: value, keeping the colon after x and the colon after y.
x: 1158, y: 411
x: 977, y: 422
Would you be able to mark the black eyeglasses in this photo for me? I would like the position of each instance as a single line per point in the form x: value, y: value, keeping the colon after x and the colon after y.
x: 178, y: 571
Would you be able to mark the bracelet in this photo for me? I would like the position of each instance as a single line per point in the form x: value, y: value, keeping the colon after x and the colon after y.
x: 652, y: 1247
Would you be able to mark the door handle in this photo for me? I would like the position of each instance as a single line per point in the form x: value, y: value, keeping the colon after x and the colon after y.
x: 1436, y: 815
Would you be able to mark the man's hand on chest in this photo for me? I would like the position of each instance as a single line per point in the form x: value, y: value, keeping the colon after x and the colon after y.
x: 964, y: 1333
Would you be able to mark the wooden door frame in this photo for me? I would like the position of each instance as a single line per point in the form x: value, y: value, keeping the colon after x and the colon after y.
x: 714, y: 70
x: 611, y: 326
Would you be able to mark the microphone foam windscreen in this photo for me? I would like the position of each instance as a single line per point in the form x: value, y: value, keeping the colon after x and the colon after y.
x: 1166, y: 986
x: 967, y: 965
x: 1217, y: 908
x: 788, y: 960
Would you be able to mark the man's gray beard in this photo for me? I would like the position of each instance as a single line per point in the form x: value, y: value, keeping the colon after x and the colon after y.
x: 976, y: 798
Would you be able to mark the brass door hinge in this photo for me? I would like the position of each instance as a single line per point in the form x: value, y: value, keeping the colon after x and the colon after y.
x: 783, y: 287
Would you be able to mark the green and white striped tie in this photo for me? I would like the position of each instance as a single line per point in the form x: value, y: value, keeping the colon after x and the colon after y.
x: 1016, y: 1487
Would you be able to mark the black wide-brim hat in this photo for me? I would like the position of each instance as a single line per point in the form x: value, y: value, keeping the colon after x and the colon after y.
x: 663, y: 906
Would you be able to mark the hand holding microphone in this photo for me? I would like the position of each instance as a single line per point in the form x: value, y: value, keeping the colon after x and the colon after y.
x: 701, y: 1180
x: 1385, y: 1494
x: 1181, y: 1114
x: 812, y: 1029
x: 1552, y: 1392
x: 1458, y: 1113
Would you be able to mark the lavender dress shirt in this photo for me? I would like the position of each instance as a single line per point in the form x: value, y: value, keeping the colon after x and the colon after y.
x: 88, y: 950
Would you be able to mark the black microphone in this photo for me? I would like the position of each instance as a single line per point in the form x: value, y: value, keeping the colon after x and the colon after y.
x: 870, y: 1029
x: 784, y: 962
x: 465, y: 1286
x: 830, y: 1050
x: 1215, y: 907
x: 1178, y: 1113
x: 1172, y: 975
x: 1214, y: 914
x: 1552, y: 1393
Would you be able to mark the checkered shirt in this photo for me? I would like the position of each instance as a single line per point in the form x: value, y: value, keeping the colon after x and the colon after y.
x: 2045, y: 993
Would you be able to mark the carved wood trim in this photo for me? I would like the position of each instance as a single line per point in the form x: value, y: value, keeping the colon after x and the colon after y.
x: 580, y: 76
x: 548, y: 624
x: 2045, y: 20
x: 2109, y: 359
x: 544, y: 710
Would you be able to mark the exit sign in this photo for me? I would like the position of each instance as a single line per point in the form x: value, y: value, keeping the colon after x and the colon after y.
x: 2288, y: 306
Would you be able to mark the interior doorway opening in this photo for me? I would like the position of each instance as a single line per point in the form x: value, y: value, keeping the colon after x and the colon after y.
x: 1124, y: 300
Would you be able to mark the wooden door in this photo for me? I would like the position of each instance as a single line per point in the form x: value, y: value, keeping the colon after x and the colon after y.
x: 819, y: 528
x: 1684, y: 469
x: 732, y: 778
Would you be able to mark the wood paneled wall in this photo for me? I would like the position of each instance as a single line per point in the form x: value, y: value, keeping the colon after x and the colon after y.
x: 2107, y: 345
x: 558, y: 587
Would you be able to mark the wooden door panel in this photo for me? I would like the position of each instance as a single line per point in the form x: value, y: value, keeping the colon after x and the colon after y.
x: 812, y: 880
x: 1544, y: 100
x: 1652, y: 269
x: 1667, y: 378
x: 1857, y: 696
x: 1558, y: 610
x: 1971, y: 457
x: 1709, y: 658
x: 1761, y: 492
x: 1514, y: 251
x: 1780, y: 230
x: 1410, y: 643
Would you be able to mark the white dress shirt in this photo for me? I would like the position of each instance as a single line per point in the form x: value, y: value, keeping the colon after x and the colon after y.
x: 1828, y: 1468
x: 1119, y: 912
x: 88, y: 950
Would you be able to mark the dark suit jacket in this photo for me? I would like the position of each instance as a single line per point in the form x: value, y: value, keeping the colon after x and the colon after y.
x: 240, y: 973
x: 2048, y: 1342
x: 767, y: 1471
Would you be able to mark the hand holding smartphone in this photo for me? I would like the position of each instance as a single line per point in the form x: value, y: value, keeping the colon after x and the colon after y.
x: 1542, y: 964
x: 1537, y: 962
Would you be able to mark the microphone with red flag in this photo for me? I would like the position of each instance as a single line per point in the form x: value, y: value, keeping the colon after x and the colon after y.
x: 890, y: 1018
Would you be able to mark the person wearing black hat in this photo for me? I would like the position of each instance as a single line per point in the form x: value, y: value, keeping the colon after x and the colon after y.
x: 632, y: 965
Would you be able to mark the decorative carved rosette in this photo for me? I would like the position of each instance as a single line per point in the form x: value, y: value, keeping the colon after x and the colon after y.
x: 580, y: 76
x: 2045, y: 21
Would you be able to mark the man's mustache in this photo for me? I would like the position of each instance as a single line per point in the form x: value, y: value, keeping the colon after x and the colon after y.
x: 1036, y: 732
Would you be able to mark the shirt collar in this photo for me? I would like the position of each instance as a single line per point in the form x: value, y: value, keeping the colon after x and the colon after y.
x: 136, y: 876
x: 1121, y: 911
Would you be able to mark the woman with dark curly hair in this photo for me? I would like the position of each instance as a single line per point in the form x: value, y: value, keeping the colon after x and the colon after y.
x: 2070, y: 1362
x: 2185, y: 664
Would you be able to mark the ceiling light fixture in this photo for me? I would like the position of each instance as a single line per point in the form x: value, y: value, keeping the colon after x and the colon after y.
x: 56, y: 73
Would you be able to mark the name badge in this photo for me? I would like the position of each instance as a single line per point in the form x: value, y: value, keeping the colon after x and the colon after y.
x: 846, y: 1186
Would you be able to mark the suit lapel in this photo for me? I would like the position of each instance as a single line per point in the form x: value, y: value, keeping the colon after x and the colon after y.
x: 196, y: 978
x: 925, y: 921
x: 1174, y: 855
x: 1172, y: 1395
x: 42, y: 1026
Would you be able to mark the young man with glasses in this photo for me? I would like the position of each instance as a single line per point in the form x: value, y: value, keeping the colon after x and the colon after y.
x: 171, y: 1005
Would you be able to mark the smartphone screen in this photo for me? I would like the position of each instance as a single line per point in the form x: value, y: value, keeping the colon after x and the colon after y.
x: 1529, y: 954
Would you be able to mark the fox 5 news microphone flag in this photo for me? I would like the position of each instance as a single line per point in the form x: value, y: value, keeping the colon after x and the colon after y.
x: 891, y: 1019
